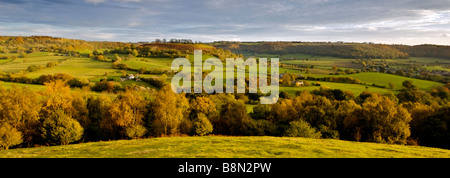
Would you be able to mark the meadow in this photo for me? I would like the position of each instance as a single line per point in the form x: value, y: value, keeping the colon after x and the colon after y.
x: 84, y: 68
x: 227, y: 147
x: 149, y: 63
x: 383, y: 79
x: 93, y: 70
x: 356, y: 89
x: 20, y: 64
x: 8, y: 85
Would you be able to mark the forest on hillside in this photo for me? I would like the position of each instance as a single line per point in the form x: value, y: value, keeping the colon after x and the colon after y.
x: 343, y: 50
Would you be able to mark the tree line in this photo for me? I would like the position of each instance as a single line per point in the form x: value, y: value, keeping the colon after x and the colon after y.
x: 61, y: 116
x: 342, y: 50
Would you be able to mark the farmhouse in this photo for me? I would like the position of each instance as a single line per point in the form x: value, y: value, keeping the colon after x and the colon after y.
x: 130, y: 77
x: 298, y: 83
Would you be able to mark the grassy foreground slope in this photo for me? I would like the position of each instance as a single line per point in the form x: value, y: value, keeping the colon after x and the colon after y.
x: 228, y: 147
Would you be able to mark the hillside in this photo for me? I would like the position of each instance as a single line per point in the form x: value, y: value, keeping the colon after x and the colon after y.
x: 228, y: 147
x: 338, y: 49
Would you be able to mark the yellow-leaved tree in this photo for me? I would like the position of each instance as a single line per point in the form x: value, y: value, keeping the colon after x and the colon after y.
x: 19, y: 108
x: 168, y: 110
x: 127, y: 113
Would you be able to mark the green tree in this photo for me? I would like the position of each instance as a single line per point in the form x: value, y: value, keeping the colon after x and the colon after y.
x: 232, y: 119
x: 260, y: 111
x: 59, y: 128
x: 135, y: 52
x: 408, y: 84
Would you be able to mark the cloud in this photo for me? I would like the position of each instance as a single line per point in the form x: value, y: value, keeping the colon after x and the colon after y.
x: 402, y: 21
x: 134, y: 24
x: 95, y: 2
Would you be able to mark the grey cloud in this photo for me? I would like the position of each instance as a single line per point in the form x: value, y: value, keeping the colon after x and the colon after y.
x: 237, y: 19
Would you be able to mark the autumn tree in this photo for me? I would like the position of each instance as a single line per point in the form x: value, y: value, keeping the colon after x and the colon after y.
x: 232, y: 119
x: 127, y: 113
x: 202, y: 105
x: 168, y: 110
x: 80, y: 111
x: 283, y: 112
x: 319, y: 112
x: 380, y: 120
x: 100, y: 124
x: 345, y: 114
x: 201, y: 125
x: 9, y: 136
x: 19, y: 108
x: 57, y: 97
x: 430, y: 125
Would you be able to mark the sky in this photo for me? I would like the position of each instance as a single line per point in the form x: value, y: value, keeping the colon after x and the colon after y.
x: 410, y: 22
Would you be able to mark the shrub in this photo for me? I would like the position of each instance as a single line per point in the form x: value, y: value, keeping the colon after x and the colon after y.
x: 75, y: 82
x: 22, y: 54
x: 261, y: 127
x: 135, y: 131
x: 158, y: 83
x: 9, y: 136
x: 60, y: 128
x: 51, y: 64
x: 108, y: 86
x: 32, y: 68
x: 201, y: 125
x: 302, y: 129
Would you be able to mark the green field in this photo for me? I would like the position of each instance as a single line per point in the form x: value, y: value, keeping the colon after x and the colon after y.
x: 228, y: 147
x: 21, y: 64
x: 84, y: 68
x: 149, y: 63
x: 356, y: 89
x: 7, y: 85
x: 412, y: 60
x: 383, y: 79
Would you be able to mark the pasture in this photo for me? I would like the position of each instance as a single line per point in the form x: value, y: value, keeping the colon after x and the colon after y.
x: 227, y: 147
x: 356, y: 89
x: 84, y: 68
x: 21, y: 64
x: 383, y: 79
